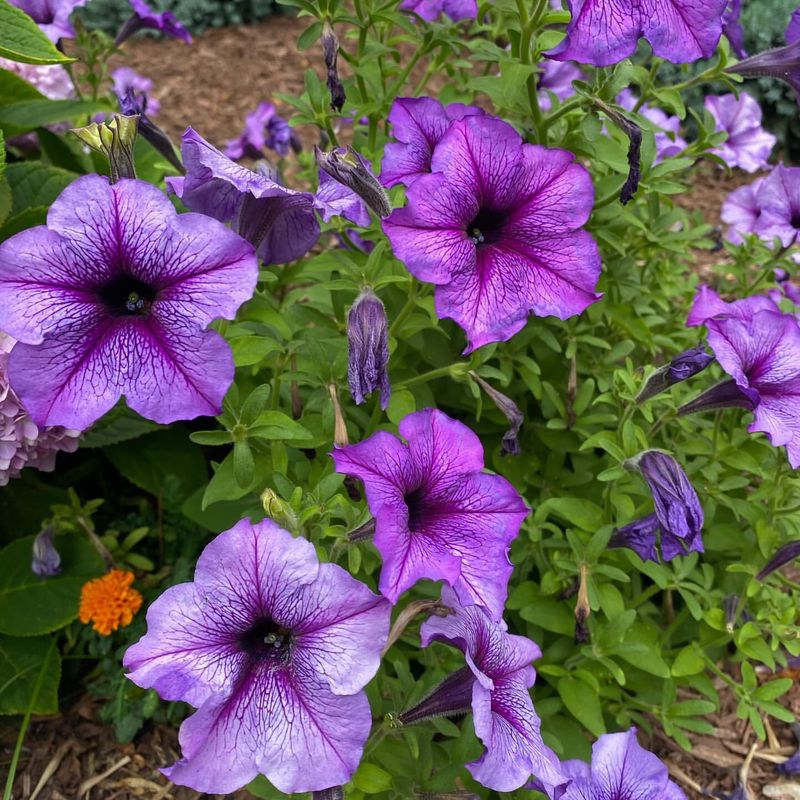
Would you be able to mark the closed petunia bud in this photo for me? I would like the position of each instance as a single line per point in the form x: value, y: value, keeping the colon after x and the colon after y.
x: 368, y: 345
x: 132, y: 104
x: 346, y: 166
x: 681, y: 368
x: 783, y: 556
x: 46, y: 561
x: 115, y: 140
x: 510, y: 444
x: 330, y: 50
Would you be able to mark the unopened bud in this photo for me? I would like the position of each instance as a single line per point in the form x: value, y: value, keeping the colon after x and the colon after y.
x: 510, y: 443
x: 278, y: 510
x: 451, y: 698
x: 46, y: 561
x: 681, y: 368
x: 368, y: 348
x: 340, y: 437
x: 115, y: 140
x: 330, y: 50
x: 131, y: 105
x: 334, y: 793
x: 582, y: 608
x: 346, y: 166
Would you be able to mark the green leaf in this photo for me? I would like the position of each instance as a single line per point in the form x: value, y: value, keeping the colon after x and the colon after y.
x: 583, y: 703
x: 13, y: 89
x: 118, y: 425
x: 29, y: 218
x: 371, y: 779
x: 36, y: 184
x: 32, y: 606
x: 30, y: 671
x: 21, y: 39
x: 689, y: 661
x: 29, y: 114
x: 244, y: 466
x: 401, y: 403
x: 584, y: 514
x: 6, y: 199
x: 277, y: 425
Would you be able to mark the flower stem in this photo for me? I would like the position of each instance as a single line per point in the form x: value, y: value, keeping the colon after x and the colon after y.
x: 439, y: 372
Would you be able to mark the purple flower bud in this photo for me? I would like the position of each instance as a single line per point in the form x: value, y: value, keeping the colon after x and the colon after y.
x: 451, y: 698
x: 510, y: 444
x: 783, y: 555
x: 681, y: 368
x: 330, y: 49
x: 346, y: 166
x: 724, y: 395
x: 368, y: 345
x: 132, y: 104
x: 46, y: 561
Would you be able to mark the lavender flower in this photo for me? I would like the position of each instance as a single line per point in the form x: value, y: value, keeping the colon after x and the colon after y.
x: 437, y: 514
x: 783, y: 555
x: 759, y: 347
x: 779, y: 198
x: 604, y: 32
x: 497, y: 228
x: 732, y: 27
x: 112, y: 297
x: 621, y: 769
x: 274, y: 649
x: 748, y: 145
x: 46, y: 562
x: 52, y: 80
x: 144, y: 17
x: 52, y: 16
x: 418, y: 124
x: 351, y: 170
x: 368, y: 348
x: 495, y: 684
x: 681, y: 368
x: 430, y: 10
x: 741, y: 211
x: 263, y: 128
x: 334, y: 199
x: 127, y: 80
x: 278, y: 222
x: 556, y: 79
x: 669, y: 142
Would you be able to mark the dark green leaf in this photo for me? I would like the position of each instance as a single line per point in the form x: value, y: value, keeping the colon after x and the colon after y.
x: 21, y: 39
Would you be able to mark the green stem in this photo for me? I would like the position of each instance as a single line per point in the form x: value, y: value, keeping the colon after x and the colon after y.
x: 440, y: 372
x: 405, y: 311
x: 651, y: 77
x: 528, y: 25
x: 649, y: 592
x: 572, y: 104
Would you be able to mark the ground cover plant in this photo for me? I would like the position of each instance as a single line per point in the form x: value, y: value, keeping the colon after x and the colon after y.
x: 398, y: 448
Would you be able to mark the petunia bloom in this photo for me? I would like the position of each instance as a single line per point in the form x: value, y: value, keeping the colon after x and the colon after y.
x: 279, y: 222
x: 759, y: 347
x: 495, y: 684
x: 52, y: 16
x: 52, y: 80
x: 127, y: 80
x: 144, y: 17
x: 112, y: 298
x: 604, y: 32
x: 741, y: 211
x: 110, y: 602
x: 430, y: 10
x: 748, y: 145
x: 621, y: 769
x: 418, y: 124
x: 437, y: 514
x: 274, y: 649
x: 264, y: 129
x: 779, y: 198
x: 497, y: 228
x: 368, y: 348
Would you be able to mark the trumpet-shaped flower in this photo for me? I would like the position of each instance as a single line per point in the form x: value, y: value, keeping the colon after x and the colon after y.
x: 748, y: 145
x: 144, y: 17
x: 112, y: 297
x: 52, y: 16
x: 127, y: 80
x: 431, y: 9
x: 274, y: 649
x: 497, y: 228
x: 263, y: 128
x: 437, y: 514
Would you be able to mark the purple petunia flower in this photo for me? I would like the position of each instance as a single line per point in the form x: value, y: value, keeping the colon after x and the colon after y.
x: 274, y: 649
x: 437, y: 514
x: 144, y: 17
x: 52, y: 16
x: 741, y: 211
x: 621, y: 769
x: 748, y: 145
x: 495, y: 684
x: 112, y: 297
x: 604, y: 32
x: 52, y: 80
x: 669, y: 141
x: 418, y: 124
x: 557, y: 78
x: 279, y: 222
x: 779, y: 198
x: 497, y: 229
x: 732, y: 27
x: 127, y: 80
x: 263, y: 128
x: 430, y: 10
x: 759, y: 347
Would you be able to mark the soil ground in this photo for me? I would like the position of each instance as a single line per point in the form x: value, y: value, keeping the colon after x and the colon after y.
x: 73, y: 756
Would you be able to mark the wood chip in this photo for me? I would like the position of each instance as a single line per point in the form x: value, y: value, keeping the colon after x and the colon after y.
x: 49, y: 770
x: 89, y: 784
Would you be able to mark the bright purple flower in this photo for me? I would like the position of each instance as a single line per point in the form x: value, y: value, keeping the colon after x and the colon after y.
x: 669, y: 142
x: 793, y: 31
x: 496, y: 685
x: 748, y: 145
x: 759, y: 347
x: 368, y: 348
x: 430, y: 10
x: 52, y: 80
x: 604, y: 32
x: 641, y: 535
x: 127, y: 80
x: 789, y: 288
x: 274, y: 649
x: 497, y: 228
x: 779, y: 198
x: 557, y: 78
x: 437, y: 514
x: 418, y: 124
x: 112, y: 297
x: 279, y: 222
x: 263, y: 128
x: 52, y: 16
x: 732, y: 27
x: 144, y: 17
x: 621, y: 769
x: 741, y: 211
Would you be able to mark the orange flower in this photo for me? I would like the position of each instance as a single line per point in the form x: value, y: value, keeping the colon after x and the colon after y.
x: 109, y: 602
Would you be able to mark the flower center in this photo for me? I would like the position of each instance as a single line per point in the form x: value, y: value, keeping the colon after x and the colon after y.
x: 795, y: 223
x: 126, y: 296
x: 265, y: 640
x: 487, y: 227
x: 415, y: 502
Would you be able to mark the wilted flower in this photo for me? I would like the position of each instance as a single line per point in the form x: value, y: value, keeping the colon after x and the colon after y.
x: 109, y: 602
x: 144, y: 17
x: 669, y: 141
x: 681, y: 368
x: 46, y: 562
x: 759, y: 347
x: 274, y: 649
x: 783, y: 556
x: 263, y: 128
x: 431, y: 9
x: 52, y: 16
x: 330, y: 50
x: 127, y: 80
x: 112, y: 297
x: 418, y: 124
x: 351, y: 170
x: 748, y: 145
x: 368, y: 348
x: 22, y: 442
x: 557, y: 78
x: 604, y: 32
x: 497, y: 228
x: 495, y: 684
x: 621, y: 769
x: 510, y: 444
x: 732, y: 27
x: 641, y: 535
x: 438, y: 516
x: 279, y: 222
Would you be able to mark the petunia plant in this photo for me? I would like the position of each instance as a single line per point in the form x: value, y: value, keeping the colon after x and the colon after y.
x: 429, y: 444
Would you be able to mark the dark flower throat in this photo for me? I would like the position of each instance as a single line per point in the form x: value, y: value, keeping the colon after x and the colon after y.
x: 126, y: 296
x: 265, y: 640
x: 487, y: 227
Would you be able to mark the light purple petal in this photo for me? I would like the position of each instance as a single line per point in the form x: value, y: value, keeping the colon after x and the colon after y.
x: 793, y: 31
x: 335, y: 199
x: 748, y: 145
x: 741, y: 211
